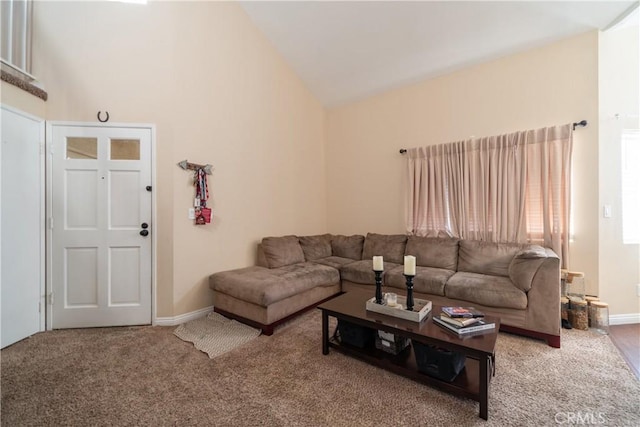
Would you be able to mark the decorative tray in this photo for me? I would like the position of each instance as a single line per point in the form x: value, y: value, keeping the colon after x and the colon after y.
x: 421, y: 308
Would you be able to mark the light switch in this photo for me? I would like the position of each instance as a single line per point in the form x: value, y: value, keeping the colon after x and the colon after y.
x: 607, y: 211
x: 192, y: 213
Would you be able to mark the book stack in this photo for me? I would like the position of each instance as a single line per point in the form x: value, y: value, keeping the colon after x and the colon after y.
x: 463, y: 320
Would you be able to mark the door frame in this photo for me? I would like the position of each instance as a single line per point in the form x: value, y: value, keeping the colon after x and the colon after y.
x: 43, y: 182
x: 49, y: 207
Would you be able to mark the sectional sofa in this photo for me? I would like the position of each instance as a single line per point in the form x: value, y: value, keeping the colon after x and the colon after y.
x: 520, y: 283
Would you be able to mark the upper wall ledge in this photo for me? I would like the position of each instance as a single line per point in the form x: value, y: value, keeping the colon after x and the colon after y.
x: 24, y: 85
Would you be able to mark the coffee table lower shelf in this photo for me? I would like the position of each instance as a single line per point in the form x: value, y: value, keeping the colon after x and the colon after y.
x: 472, y: 383
x: 466, y: 383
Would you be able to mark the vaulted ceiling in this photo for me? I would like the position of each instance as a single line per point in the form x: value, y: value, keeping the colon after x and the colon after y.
x: 348, y: 50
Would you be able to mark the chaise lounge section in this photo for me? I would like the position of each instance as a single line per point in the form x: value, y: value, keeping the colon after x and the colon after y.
x: 283, y: 284
x: 520, y: 283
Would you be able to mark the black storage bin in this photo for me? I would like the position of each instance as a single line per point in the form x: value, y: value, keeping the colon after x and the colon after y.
x: 438, y: 362
x: 355, y: 335
x: 390, y: 343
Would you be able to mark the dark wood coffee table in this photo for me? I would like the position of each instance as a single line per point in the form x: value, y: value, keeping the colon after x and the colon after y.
x: 472, y: 382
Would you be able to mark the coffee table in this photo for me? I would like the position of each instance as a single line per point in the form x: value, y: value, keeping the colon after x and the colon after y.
x: 472, y: 382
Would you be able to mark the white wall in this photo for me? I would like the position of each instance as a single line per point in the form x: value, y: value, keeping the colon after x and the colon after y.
x: 619, y: 90
x: 218, y: 93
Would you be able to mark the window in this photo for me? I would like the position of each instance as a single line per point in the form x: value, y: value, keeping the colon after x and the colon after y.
x: 631, y: 186
x: 504, y: 188
x: 82, y: 148
x: 16, y: 35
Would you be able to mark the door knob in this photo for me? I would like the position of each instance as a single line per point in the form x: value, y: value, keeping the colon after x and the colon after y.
x: 144, y: 232
x: 144, y: 225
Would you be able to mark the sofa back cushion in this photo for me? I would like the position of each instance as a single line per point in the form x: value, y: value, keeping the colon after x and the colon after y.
x: 316, y: 247
x: 433, y: 251
x: 281, y: 251
x: 347, y: 246
x: 480, y: 257
x: 390, y: 246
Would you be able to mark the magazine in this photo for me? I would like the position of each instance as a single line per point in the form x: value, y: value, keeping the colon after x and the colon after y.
x: 462, y: 312
x: 460, y: 321
x: 481, y: 325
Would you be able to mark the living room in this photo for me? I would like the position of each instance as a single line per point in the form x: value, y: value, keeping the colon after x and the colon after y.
x: 257, y: 128
x: 219, y: 92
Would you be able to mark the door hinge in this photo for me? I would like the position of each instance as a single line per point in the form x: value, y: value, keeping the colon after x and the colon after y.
x: 51, y: 223
x: 50, y: 299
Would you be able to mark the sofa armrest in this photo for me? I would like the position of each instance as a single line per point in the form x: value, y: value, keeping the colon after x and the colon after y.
x: 525, y: 265
x: 544, y: 296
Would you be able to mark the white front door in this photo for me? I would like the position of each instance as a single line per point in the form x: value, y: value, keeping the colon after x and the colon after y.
x: 22, y: 226
x: 100, y: 223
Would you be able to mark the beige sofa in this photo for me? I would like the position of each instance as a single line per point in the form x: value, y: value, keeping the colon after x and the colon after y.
x: 519, y: 283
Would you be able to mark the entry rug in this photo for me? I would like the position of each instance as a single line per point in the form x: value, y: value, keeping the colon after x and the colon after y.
x: 215, y: 334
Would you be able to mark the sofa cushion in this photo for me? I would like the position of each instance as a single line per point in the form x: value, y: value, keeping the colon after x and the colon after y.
x: 362, y: 271
x: 281, y: 251
x: 334, y: 261
x: 525, y: 265
x: 428, y: 280
x: 347, y: 246
x: 491, y: 291
x: 433, y: 251
x: 476, y: 256
x: 264, y: 286
x: 390, y: 246
x: 315, y: 247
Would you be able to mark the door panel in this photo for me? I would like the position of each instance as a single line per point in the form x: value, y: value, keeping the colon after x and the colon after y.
x: 100, y: 264
x: 81, y: 277
x: 124, y: 267
x: 124, y: 200
x: 22, y: 225
x: 81, y: 210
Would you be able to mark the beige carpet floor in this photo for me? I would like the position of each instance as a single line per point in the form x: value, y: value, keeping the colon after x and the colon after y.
x: 147, y: 376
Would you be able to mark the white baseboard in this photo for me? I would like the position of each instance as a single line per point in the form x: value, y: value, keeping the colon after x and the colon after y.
x: 624, y: 319
x: 181, y: 318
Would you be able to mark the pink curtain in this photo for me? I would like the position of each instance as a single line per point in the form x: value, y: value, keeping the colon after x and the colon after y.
x: 507, y: 188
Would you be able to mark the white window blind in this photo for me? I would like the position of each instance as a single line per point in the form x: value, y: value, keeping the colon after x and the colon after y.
x: 16, y: 34
x: 631, y: 186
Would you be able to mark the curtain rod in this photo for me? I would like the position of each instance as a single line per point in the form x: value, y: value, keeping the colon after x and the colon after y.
x: 581, y: 123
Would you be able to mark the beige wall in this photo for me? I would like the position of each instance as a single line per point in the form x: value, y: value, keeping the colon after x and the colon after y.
x: 218, y: 93
x: 551, y: 85
x: 619, y: 75
x: 17, y: 98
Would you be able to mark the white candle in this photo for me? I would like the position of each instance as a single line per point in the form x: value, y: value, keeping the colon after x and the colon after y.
x: 378, y: 264
x: 410, y: 265
x: 392, y: 299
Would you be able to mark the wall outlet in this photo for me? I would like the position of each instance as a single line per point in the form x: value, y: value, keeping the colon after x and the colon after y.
x: 192, y: 213
x: 606, y: 211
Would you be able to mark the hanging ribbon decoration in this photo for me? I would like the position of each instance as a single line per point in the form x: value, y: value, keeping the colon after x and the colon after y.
x: 203, y: 213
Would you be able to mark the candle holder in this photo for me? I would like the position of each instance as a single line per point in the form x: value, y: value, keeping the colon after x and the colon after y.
x: 409, y: 291
x: 378, y: 286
